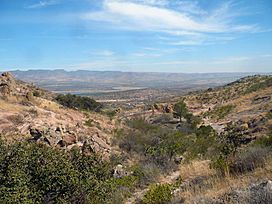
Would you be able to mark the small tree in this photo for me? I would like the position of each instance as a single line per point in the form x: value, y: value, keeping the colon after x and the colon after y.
x: 180, y: 110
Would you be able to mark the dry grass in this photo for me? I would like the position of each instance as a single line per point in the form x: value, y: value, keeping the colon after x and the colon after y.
x: 8, y: 106
x: 196, y: 168
x: 214, y: 185
x: 48, y: 105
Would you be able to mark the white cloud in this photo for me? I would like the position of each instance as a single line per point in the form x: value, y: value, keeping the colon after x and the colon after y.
x: 139, y: 16
x: 226, y: 64
x: 42, y: 4
x: 103, y: 53
x: 146, y: 54
x: 188, y: 21
x: 191, y: 7
x: 153, y: 2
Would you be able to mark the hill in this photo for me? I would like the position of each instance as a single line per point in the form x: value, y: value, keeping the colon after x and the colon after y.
x: 31, y: 113
x: 207, y: 146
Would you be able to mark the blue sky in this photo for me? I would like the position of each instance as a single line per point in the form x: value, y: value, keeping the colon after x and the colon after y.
x: 137, y: 35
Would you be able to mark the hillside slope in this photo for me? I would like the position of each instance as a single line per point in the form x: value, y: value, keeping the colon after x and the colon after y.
x: 30, y: 113
x: 211, y: 146
x: 246, y: 103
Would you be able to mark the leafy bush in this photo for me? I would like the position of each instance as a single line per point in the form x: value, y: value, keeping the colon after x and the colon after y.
x: 31, y: 173
x: 242, y: 161
x: 153, y: 143
x: 37, y: 93
x: 145, y: 173
x: 78, y: 102
x: 180, y: 110
x: 110, y: 113
x: 204, y: 143
x: 158, y: 194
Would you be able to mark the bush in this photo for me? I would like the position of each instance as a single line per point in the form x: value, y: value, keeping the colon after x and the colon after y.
x: 158, y: 194
x: 220, y: 112
x: 31, y: 173
x: 78, y: 102
x: 145, y: 173
x: 241, y: 162
x: 153, y: 143
x: 180, y: 110
x: 110, y: 113
x: 37, y: 93
x: 248, y: 160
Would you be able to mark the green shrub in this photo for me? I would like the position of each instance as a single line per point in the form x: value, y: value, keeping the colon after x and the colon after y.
x: 265, y: 141
x: 78, y: 102
x: 145, y: 173
x: 155, y: 144
x: 37, y: 93
x: 266, y: 82
x: 220, y: 112
x: 158, y: 194
x: 89, y: 123
x: 110, y: 113
x: 220, y: 164
x: 31, y: 173
x: 180, y: 110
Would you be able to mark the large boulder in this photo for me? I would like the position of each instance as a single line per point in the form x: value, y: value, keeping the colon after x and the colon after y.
x: 7, y: 84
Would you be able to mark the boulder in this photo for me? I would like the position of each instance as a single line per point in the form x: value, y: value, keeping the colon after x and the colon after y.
x: 168, y: 109
x: 158, y: 107
x: 69, y: 139
x: 119, y: 171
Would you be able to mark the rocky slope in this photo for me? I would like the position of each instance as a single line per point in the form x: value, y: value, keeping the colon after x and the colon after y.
x: 30, y: 113
x: 247, y: 103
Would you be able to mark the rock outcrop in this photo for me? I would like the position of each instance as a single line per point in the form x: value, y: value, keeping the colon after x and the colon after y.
x: 25, y: 115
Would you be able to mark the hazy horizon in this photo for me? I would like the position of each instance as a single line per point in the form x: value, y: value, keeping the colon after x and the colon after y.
x: 124, y: 71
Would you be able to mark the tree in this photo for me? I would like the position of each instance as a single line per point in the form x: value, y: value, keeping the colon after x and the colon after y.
x: 180, y: 110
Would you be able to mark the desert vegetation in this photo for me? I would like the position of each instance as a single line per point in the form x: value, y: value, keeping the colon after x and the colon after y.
x: 78, y: 102
x: 197, y: 149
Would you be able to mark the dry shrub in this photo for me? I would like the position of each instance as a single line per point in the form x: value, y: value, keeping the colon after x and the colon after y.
x: 249, y: 160
x: 16, y: 119
x: 196, y: 168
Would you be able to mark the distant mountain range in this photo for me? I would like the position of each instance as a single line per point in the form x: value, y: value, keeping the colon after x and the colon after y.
x: 94, y: 81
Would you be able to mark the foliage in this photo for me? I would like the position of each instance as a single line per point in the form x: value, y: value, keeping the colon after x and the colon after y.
x: 89, y: 123
x: 220, y: 112
x: 158, y: 194
x: 161, y: 146
x: 37, y: 93
x: 266, y: 82
x: 248, y: 160
x: 145, y: 173
x: 229, y: 143
x: 204, y: 143
x: 110, y: 113
x: 269, y: 115
x: 154, y: 143
x: 31, y: 173
x: 180, y: 110
x: 78, y: 102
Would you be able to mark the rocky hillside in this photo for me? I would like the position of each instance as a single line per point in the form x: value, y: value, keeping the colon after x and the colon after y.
x: 30, y: 113
x: 247, y: 103
x: 211, y: 146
